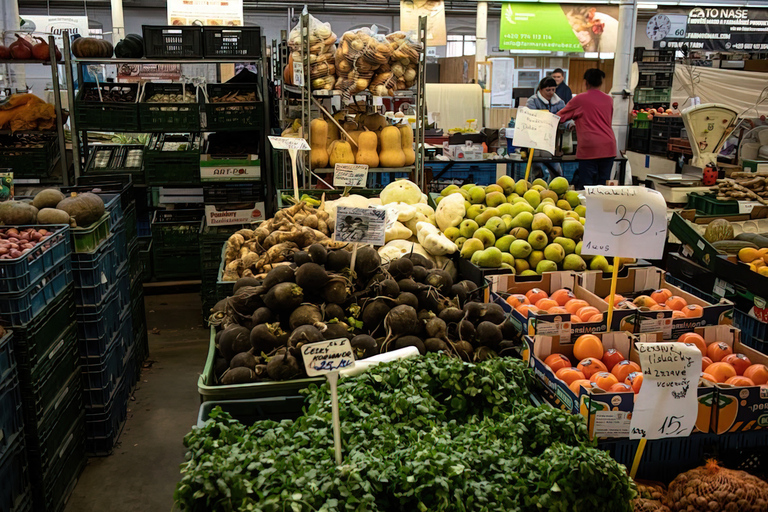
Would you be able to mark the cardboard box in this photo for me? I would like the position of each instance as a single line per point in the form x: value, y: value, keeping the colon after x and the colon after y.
x: 215, y: 217
x: 556, y: 324
x: 643, y: 281
x: 463, y: 152
x: 738, y: 409
x: 608, y: 414
x: 230, y: 169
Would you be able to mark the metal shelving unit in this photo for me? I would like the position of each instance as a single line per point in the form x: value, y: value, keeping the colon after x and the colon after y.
x: 54, y: 65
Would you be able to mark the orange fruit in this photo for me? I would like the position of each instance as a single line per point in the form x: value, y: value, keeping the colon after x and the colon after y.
x: 705, y: 361
x: 634, y: 379
x: 611, y: 358
x: 596, y: 318
x: 709, y: 377
x: 574, y: 305
x: 693, y: 311
x: 721, y: 371
x: 661, y: 295
x: 570, y: 374
x: 624, y: 368
x: 591, y: 366
x: 758, y: 373
x: 575, y: 319
x: 740, y: 362
x: 644, y: 301
x: 588, y: 345
x: 616, y: 299
x: 676, y: 303
x: 696, y: 339
x: 524, y: 308
x: 534, y: 295
x: 562, y: 296
x: 575, y: 386
x: 677, y: 314
x: 587, y: 312
x: 545, y: 304
x: 621, y: 387
x: 739, y: 381
x: 718, y: 350
x: 604, y: 380
x: 557, y: 361
x: 557, y: 310
x: 658, y: 307
x: 516, y: 299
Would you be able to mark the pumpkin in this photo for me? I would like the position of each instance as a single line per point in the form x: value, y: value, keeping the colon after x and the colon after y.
x: 85, y: 208
x: 90, y: 47
x: 53, y: 216
x: 341, y: 153
x: 132, y: 47
x: 47, y: 198
x: 375, y: 122
x: 17, y: 213
x: 406, y: 139
x: 366, y: 149
x: 318, y: 136
x: 717, y: 230
x: 288, y: 71
x: 391, y: 149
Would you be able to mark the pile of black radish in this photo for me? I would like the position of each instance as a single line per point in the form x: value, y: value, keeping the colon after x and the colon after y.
x: 407, y: 303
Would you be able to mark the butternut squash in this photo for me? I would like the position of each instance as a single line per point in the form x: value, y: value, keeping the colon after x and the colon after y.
x: 341, y: 153
x: 355, y: 136
x: 391, y: 148
x: 406, y: 138
x: 333, y: 133
x: 318, y: 155
x: 366, y: 149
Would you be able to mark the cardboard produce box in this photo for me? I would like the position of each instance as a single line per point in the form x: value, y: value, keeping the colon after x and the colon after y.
x: 558, y: 324
x: 644, y: 281
x: 223, y: 217
x: 608, y: 414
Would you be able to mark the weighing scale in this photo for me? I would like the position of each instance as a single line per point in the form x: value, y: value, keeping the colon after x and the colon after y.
x: 708, y: 127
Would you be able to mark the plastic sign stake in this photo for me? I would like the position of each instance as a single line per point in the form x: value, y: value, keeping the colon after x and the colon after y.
x: 327, y: 358
x: 293, y: 145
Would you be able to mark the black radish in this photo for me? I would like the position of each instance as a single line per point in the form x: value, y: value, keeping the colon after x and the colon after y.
x: 441, y: 280
x: 410, y: 286
x: 401, y: 321
x: 311, y: 276
x: 335, y: 292
x: 279, y: 274
x: 317, y: 254
x: 301, y: 257
x: 304, y: 334
x: 389, y: 288
x: 306, y: 314
x: 408, y: 299
x: 284, y: 297
x: 333, y: 311
x: 494, y: 313
x: 336, y: 331
x: 338, y: 260
x: 451, y: 315
x: 234, y: 339
x: 367, y: 261
x: 411, y: 341
x: 262, y: 316
x: 265, y: 338
x: 418, y: 259
x: 374, y: 314
x: 489, y: 334
x: 400, y: 268
x: 243, y: 359
x: 464, y: 350
x: 364, y: 346
x: 283, y: 366
x: 245, y: 281
x: 239, y: 375
x: 419, y: 273
x: 435, y: 345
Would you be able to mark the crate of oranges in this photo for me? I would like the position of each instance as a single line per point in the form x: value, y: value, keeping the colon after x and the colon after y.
x: 660, y: 306
x: 598, y: 376
x: 554, y: 304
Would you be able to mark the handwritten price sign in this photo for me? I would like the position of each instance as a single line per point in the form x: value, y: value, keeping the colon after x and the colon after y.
x: 350, y: 175
x: 327, y: 356
x: 667, y: 404
x: 535, y: 129
x: 628, y: 222
x: 294, y: 143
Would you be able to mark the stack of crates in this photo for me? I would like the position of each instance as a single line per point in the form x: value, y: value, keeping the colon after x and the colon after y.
x: 15, y: 491
x: 656, y: 70
x: 664, y: 128
x: 175, y: 244
x: 640, y: 134
x: 41, y: 311
x: 212, y: 240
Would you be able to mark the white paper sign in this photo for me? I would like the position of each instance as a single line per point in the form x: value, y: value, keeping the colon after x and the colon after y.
x: 360, y: 225
x: 327, y: 356
x: 667, y: 404
x: 629, y: 222
x: 535, y: 129
x: 289, y: 143
x: 298, y: 74
x: 747, y: 206
x: 205, y: 12
x: 56, y: 25
x: 350, y: 175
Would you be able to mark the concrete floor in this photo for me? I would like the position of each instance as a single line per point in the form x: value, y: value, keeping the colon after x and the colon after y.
x: 142, y: 473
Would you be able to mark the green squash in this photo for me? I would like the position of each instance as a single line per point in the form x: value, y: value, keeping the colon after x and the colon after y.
x: 132, y: 47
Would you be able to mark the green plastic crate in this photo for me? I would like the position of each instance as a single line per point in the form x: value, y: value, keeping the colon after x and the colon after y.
x: 29, y: 162
x: 708, y: 204
x: 88, y: 239
x: 169, y: 264
x: 174, y: 117
x: 145, y: 260
x: 176, y: 229
x: 172, y: 168
x: 646, y: 96
x: 285, y: 193
x: 108, y: 116
x: 209, y: 390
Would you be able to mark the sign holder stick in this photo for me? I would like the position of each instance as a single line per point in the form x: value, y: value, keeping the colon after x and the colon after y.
x: 333, y: 379
x: 614, y: 279
x: 638, y: 456
x: 354, y: 256
x: 530, y: 162
x: 292, y: 153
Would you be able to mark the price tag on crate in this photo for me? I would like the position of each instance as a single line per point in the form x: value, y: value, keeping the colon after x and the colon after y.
x: 350, y: 175
x: 667, y: 405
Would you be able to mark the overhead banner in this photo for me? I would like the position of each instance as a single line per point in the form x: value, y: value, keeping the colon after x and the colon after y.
x: 56, y: 25
x: 559, y: 28
x: 434, y: 10
x: 717, y: 29
x: 205, y: 12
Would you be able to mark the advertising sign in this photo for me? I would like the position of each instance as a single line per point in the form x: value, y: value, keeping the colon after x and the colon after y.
x: 205, y: 12
x: 715, y: 29
x: 554, y: 27
x: 56, y: 25
x: 434, y: 10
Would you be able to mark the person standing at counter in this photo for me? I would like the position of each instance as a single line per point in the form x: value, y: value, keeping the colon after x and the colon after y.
x: 562, y: 91
x: 592, y: 111
x: 546, y: 99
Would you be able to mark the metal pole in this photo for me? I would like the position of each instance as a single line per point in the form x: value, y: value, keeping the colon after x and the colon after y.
x: 71, y: 101
x: 118, y: 23
x: 481, y: 32
x: 306, y: 94
x: 421, y: 106
x: 59, y: 114
x: 267, y: 171
x: 622, y: 69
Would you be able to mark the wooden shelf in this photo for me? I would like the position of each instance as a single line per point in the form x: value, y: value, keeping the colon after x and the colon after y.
x: 409, y: 168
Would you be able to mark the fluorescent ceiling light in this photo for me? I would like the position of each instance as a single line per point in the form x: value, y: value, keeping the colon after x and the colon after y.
x: 591, y: 55
x: 643, y: 6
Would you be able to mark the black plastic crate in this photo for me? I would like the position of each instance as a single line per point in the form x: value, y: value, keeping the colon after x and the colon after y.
x: 123, y: 288
x: 655, y: 79
x: 97, y: 325
x: 171, y: 264
x: 232, y: 42
x: 658, y: 147
x: 94, y: 273
x: 241, y: 115
x: 55, y: 486
x: 107, y: 115
x: 14, y: 475
x: 103, y: 425
x: 29, y: 156
x: 101, y: 374
x: 20, y: 308
x: 145, y: 261
x: 176, y: 228
x: 11, y: 416
x: 7, y: 359
x: 172, y: 116
x: 18, y: 273
x: 233, y: 194
x: 172, y: 42
x: 108, y: 160
x: 648, y: 55
x: 754, y: 332
x: 172, y: 160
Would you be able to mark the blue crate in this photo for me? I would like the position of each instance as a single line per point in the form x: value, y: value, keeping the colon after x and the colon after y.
x: 101, y: 374
x: 144, y: 226
x: 19, y: 308
x: 66, y: 404
x: 114, y: 206
x: 14, y: 476
x: 121, y: 243
x: 753, y: 331
x: 18, y: 273
x: 674, y: 281
x: 123, y: 288
x: 103, y: 425
x: 7, y: 360
x: 126, y: 326
x: 94, y: 273
x: 96, y: 325
x: 11, y: 417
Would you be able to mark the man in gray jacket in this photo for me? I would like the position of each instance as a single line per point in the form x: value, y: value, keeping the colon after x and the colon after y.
x: 546, y: 99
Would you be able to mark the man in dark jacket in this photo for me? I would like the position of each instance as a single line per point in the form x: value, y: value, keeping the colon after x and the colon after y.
x: 562, y: 91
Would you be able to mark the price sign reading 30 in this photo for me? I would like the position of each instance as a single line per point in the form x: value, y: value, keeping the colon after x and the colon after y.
x: 629, y: 222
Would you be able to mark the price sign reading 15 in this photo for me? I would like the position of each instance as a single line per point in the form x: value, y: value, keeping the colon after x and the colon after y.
x: 625, y: 221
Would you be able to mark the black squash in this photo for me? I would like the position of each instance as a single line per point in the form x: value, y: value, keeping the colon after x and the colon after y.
x: 132, y: 47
